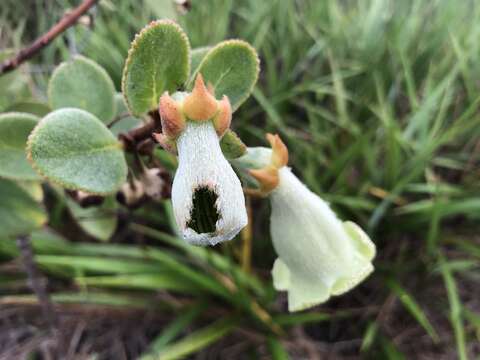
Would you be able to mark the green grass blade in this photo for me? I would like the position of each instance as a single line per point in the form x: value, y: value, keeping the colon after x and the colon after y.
x: 369, y: 337
x: 204, y: 281
x: 197, y: 340
x: 173, y: 330
x: 220, y: 262
x: 277, y: 351
x: 455, y: 308
x: 161, y: 281
x: 98, y: 264
x: 90, y: 298
x: 412, y: 306
x: 390, y: 350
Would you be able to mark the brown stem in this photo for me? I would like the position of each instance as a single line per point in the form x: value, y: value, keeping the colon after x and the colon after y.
x: 35, y: 282
x: 65, y: 22
x: 117, y: 119
x: 134, y: 137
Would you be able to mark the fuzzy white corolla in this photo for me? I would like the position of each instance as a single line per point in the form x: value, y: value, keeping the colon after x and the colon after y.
x: 207, y: 196
x: 318, y: 254
x: 202, y: 167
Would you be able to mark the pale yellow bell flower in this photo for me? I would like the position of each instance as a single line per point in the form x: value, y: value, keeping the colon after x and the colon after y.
x: 319, y: 255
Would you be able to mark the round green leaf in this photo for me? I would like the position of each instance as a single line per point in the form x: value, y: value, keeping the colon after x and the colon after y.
x: 14, y: 131
x: 76, y: 150
x: 158, y: 61
x: 19, y: 213
x: 198, y: 55
x: 232, y: 68
x: 81, y: 83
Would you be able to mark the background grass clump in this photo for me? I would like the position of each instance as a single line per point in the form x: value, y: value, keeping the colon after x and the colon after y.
x: 378, y: 102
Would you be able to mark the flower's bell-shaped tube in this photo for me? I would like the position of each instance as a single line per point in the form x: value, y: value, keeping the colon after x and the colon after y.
x: 318, y: 254
x: 207, y: 196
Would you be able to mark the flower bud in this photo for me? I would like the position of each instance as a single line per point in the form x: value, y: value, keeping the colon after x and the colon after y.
x: 279, y: 151
x: 172, y: 118
x: 223, y: 118
x: 268, y: 175
x: 200, y: 105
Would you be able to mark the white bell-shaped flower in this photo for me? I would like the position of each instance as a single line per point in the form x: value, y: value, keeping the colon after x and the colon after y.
x: 207, y: 196
x: 318, y: 254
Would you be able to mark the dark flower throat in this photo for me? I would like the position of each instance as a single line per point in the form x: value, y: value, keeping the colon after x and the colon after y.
x: 204, y: 214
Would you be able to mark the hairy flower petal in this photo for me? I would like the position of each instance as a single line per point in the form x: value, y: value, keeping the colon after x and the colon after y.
x: 204, y: 170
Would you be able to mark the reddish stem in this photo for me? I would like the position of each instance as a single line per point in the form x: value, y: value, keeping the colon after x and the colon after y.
x: 65, y: 22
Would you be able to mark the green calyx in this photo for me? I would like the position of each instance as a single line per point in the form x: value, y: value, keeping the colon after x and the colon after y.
x: 232, y: 146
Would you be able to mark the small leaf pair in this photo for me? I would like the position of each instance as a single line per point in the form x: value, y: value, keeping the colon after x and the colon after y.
x: 160, y: 61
